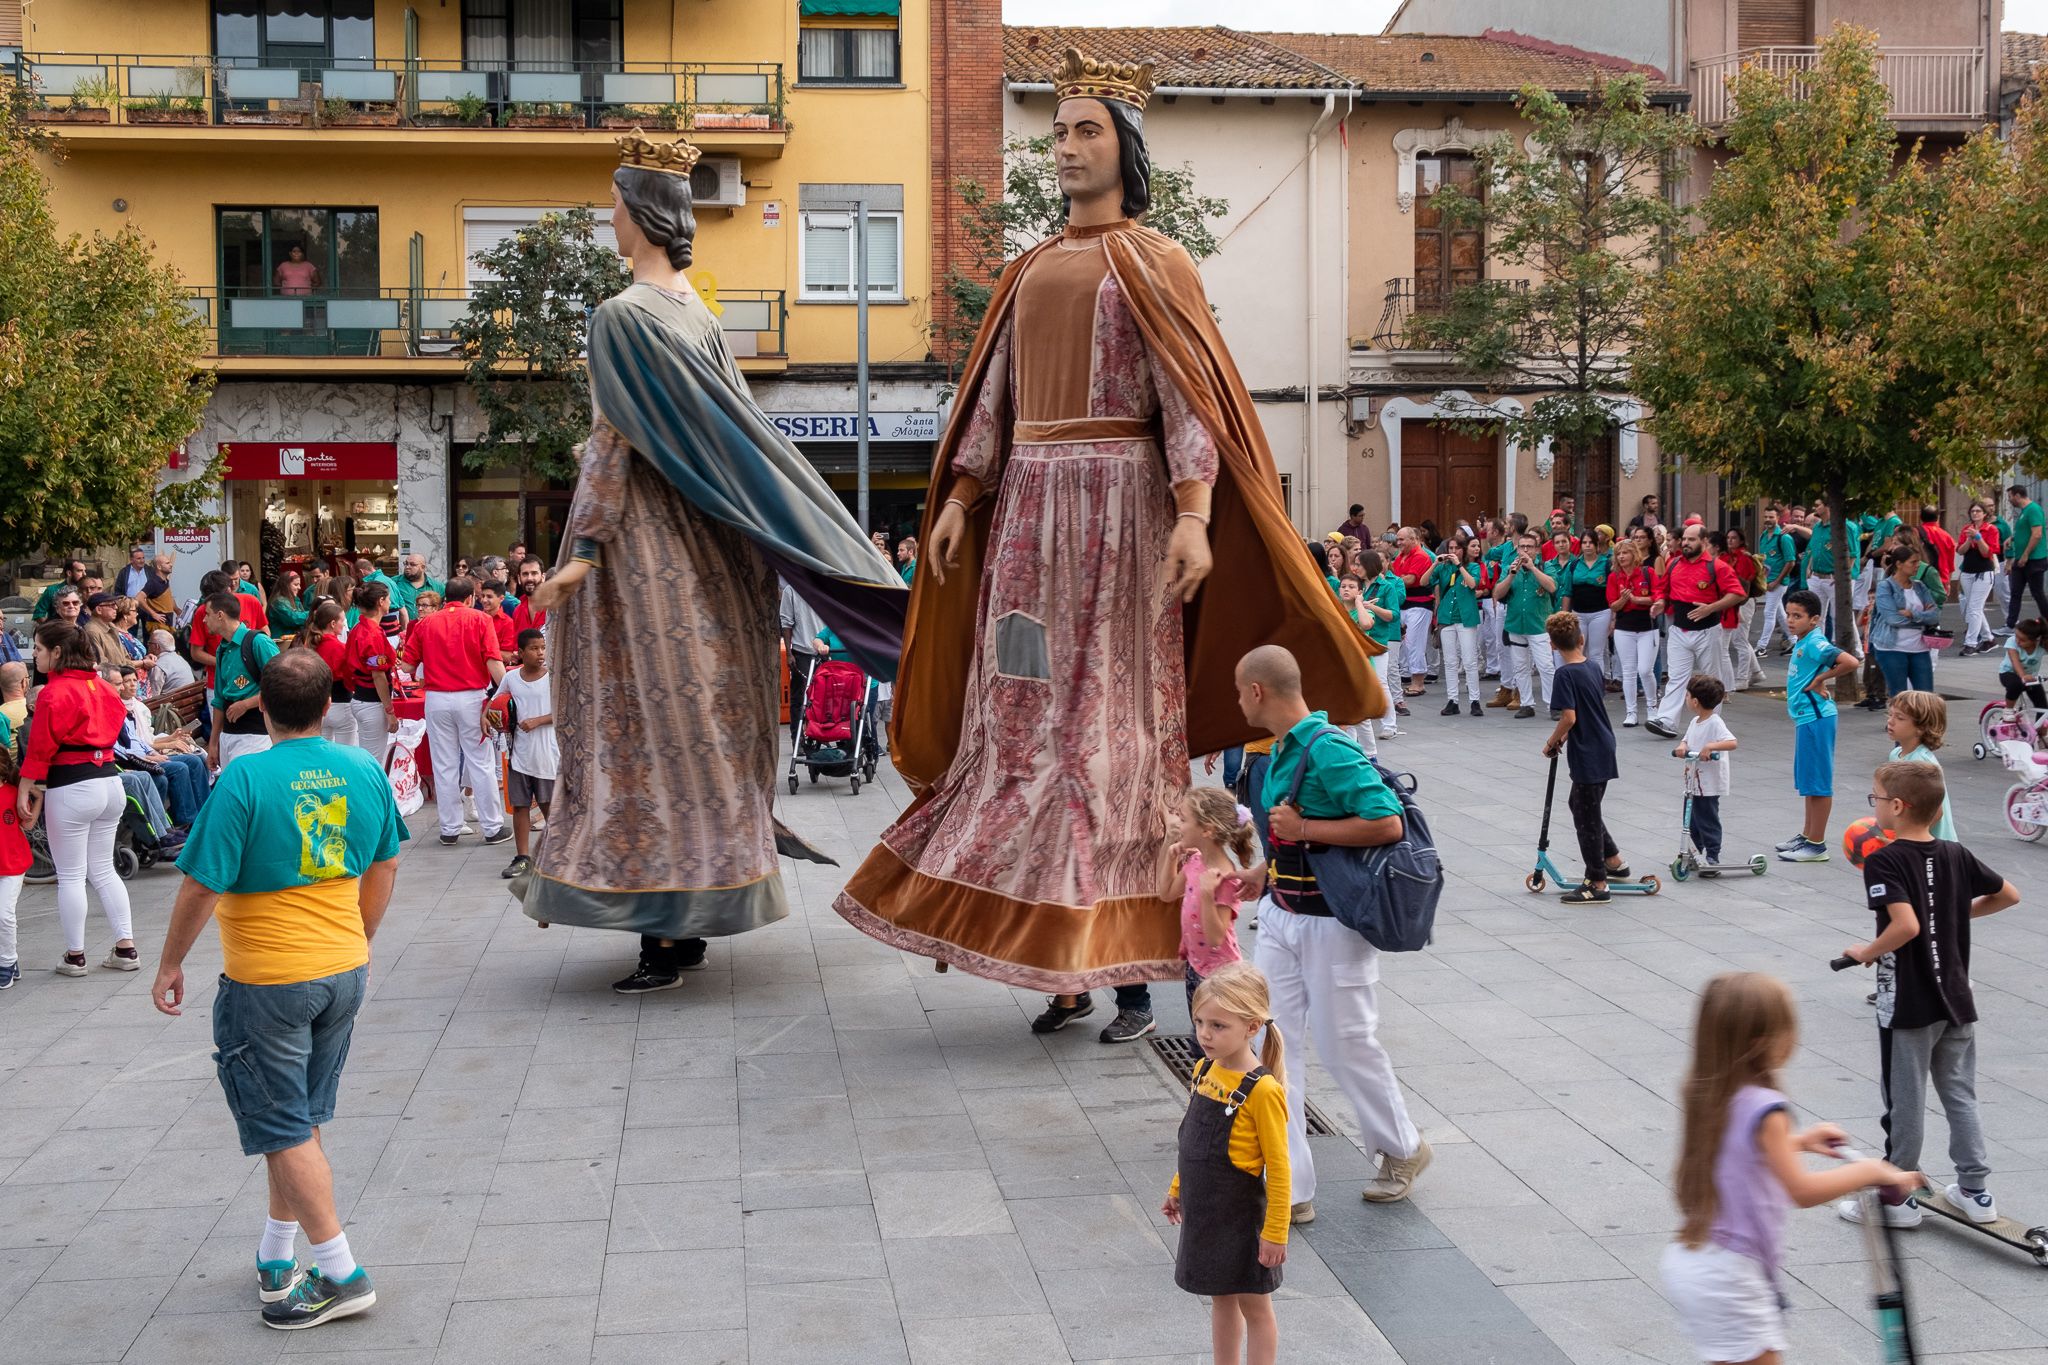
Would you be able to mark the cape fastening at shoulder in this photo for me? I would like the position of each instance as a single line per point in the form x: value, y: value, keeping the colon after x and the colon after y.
x: 1262, y: 590
x: 686, y: 410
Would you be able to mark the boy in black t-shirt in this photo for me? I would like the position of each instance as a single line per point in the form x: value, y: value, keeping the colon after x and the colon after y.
x: 1924, y: 892
x: 1578, y: 692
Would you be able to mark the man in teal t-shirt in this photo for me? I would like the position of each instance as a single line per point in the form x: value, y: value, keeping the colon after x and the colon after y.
x: 1531, y: 595
x: 1317, y: 968
x: 2029, y: 552
x: 1780, y: 554
x: 410, y: 583
x: 1387, y: 592
x: 239, y: 656
x: 1820, y: 560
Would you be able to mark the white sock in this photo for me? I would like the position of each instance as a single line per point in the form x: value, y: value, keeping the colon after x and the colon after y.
x: 335, y: 1262
x: 279, y: 1240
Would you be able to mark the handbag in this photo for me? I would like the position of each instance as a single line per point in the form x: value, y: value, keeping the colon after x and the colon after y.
x: 1387, y: 894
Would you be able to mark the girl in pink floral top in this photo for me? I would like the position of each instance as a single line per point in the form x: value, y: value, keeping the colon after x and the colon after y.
x: 1201, y: 875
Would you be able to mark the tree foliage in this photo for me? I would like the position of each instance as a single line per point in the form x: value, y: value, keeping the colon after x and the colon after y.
x: 99, y: 370
x: 525, y: 336
x: 1775, y: 352
x: 1587, y: 215
x: 1978, y: 306
x: 1031, y: 208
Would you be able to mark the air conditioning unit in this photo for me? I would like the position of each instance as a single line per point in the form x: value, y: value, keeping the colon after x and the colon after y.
x: 716, y: 183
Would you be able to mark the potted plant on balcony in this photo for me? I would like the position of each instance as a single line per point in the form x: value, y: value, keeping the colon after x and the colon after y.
x: 732, y: 116
x: 664, y: 116
x: 164, y: 107
x: 542, y: 116
x: 339, y: 113
x: 468, y: 110
x: 91, y: 101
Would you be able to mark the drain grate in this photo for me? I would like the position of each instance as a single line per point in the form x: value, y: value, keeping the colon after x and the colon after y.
x: 1181, y: 1055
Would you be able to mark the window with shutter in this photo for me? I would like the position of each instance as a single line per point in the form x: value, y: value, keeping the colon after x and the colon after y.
x: 827, y: 249
x: 10, y: 23
x: 1774, y: 23
x: 483, y: 229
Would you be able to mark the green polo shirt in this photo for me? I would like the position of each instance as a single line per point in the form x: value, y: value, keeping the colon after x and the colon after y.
x: 231, y: 680
x: 1528, y: 605
x: 1779, y: 549
x: 1456, y: 604
x: 405, y: 596
x: 46, y: 602
x: 1820, y: 550
x: 1391, y: 593
x: 286, y: 616
x: 2025, y: 522
x: 1341, y: 781
x: 2004, y: 537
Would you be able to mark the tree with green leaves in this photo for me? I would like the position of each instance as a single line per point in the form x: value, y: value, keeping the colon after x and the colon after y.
x: 1031, y: 208
x: 525, y: 336
x: 100, y: 377
x: 1584, y: 209
x: 1775, y: 352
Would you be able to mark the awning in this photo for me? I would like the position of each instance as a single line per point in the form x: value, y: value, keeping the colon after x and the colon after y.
x: 811, y: 9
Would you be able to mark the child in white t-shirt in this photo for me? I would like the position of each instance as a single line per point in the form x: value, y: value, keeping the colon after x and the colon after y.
x: 1708, y: 737
x: 536, y: 756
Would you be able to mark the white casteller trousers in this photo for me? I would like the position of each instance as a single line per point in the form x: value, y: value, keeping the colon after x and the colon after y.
x: 1533, y: 656
x: 1774, y: 618
x: 1461, y: 656
x: 1324, y: 979
x: 1976, y: 592
x: 373, y: 732
x: 1383, y: 664
x: 338, y: 726
x: 81, y: 820
x: 1490, y: 614
x: 1687, y: 652
x: 233, y: 747
x: 456, y: 740
x: 1637, y: 670
x: 1415, y: 643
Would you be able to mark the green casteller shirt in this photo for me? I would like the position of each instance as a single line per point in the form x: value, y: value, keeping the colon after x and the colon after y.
x: 1879, y: 532
x: 405, y: 595
x: 1576, y: 572
x: 1779, y: 550
x: 1528, y: 605
x: 1457, y: 604
x: 2005, y: 546
x: 231, y: 680
x: 1341, y: 781
x: 286, y: 617
x: 1820, y: 550
x: 1389, y: 592
x: 2029, y: 520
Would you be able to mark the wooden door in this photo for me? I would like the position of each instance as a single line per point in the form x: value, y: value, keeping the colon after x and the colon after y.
x: 1447, y: 258
x: 1447, y: 476
x: 1587, y: 474
x: 1773, y: 23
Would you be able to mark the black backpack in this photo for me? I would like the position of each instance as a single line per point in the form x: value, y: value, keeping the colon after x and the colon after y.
x: 1387, y: 894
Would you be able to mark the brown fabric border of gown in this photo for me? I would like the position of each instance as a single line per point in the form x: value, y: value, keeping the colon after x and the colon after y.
x: 985, y: 933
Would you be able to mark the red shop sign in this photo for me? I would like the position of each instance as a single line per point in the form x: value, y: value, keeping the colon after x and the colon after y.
x: 311, y: 459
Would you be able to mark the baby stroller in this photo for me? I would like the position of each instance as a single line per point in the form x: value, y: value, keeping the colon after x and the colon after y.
x: 838, y: 735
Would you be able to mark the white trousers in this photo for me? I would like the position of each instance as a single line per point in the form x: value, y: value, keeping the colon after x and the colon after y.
x: 1362, y: 732
x: 10, y: 895
x: 373, y: 733
x: 1687, y: 652
x: 1743, y: 668
x: 1383, y: 664
x: 1324, y: 979
x: 1415, y: 643
x: 1823, y: 587
x: 1637, y: 670
x: 1533, y: 656
x: 455, y: 738
x: 81, y: 820
x: 1976, y: 592
x: 1596, y: 626
x: 1461, y: 655
x: 1774, y: 618
x: 339, y: 724
x: 1490, y: 614
x: 233, y: 747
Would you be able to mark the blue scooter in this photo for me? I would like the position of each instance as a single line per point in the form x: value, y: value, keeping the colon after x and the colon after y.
x: 1547, y: 871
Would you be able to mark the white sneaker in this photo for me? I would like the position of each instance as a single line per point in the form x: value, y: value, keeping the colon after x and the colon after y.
x: 1906, y: 1215
x: 1978, y: 1208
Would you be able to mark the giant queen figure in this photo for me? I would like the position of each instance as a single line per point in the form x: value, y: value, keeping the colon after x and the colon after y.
x: 1068, y: 642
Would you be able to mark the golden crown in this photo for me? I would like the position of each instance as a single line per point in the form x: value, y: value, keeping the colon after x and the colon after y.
x: 1129, y: 82
x: 671, y: 158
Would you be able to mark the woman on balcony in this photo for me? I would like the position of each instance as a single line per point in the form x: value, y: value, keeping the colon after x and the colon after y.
x: 295, y: 275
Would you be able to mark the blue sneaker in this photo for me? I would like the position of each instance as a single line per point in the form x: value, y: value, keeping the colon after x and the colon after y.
x: 316, y: 1299
x: 10, y: 972
x: 275, y: 1279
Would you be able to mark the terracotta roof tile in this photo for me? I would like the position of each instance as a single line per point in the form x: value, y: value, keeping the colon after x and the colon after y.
x: 2024, y: 53
x: 1199, y: 58
x: 1405, y: 63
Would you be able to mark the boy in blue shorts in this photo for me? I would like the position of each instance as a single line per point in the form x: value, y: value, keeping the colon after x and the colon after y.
x: 1816, y: 662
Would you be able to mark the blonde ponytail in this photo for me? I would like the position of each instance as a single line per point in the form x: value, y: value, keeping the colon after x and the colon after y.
x: 1239, y: 988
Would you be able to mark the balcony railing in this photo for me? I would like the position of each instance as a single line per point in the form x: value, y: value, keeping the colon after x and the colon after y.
x: 1923, y: 82
x: 414, y: 93
x: 395, y: 324
x: 1408, y: 299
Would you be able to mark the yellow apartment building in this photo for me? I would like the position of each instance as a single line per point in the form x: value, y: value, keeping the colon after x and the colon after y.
x: 383, y: 144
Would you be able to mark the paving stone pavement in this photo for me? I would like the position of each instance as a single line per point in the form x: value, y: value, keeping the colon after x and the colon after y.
x: 821, y: 1151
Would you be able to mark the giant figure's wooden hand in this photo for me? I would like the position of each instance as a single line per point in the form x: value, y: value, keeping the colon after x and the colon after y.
x: 556, y: 589
x: 1187, y: 556
x: 946, y: 538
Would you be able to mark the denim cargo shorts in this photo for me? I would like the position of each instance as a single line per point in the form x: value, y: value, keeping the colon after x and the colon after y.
x: 279, y: 1052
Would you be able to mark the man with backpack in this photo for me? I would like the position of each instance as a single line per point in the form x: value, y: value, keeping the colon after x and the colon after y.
x: 1324, y: 976
x: 239, y: 656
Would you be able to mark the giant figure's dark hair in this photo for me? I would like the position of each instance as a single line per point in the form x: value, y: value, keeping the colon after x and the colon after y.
x: 1132, y: 158
x: 660, y: 206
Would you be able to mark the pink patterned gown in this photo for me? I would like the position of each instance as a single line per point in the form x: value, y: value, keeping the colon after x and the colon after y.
x: 1035, y: 859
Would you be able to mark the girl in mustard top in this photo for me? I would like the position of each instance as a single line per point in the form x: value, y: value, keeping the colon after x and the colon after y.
x: 1230, y: 1193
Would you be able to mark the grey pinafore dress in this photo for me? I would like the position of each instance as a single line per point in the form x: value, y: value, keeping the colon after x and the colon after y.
x: 1222, y: 1209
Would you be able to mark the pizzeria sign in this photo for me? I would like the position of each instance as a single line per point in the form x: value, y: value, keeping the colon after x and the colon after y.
x: 845, y: 426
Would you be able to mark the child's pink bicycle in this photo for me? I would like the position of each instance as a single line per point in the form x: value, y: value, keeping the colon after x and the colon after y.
x: 2001, y: 721
x: 2026, y: 801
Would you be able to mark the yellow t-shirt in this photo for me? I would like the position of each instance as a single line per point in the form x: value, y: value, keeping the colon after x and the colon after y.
x: 299, y: 933
x: 1258, y: 1141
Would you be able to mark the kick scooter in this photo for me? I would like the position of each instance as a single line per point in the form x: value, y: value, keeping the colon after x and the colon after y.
x: 1887, y: 1279
x: 1548, y: 870
x: 1688, y: 860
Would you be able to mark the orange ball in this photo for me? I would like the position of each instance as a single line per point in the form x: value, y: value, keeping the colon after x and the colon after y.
x: 1862, y: 838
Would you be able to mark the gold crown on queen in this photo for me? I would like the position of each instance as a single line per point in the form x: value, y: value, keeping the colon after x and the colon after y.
x: 1126, y: 82
x: 670, y: 158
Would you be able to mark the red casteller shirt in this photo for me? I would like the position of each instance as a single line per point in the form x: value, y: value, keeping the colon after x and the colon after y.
x: 1689, y: 583
x: 333, y: 651
x: 1746, y: 567
x: 1419, y: 562
x: 450, y: 650
x: 369, y: 652
x: 77, y: 712
x: 1944, y: 548
x: 525, y: 618
x: 508, y: 633
x: 253, y: 616
x: 1550, y: 548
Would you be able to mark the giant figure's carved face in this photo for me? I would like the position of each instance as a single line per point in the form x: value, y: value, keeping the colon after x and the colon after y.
x: 1085, y: 149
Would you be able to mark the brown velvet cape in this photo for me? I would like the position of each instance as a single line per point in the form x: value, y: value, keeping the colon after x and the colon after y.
x: 1262, y: 590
